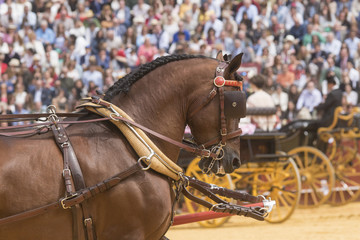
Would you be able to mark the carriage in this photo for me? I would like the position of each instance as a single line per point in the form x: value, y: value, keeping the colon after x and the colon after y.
x: 299, y: 165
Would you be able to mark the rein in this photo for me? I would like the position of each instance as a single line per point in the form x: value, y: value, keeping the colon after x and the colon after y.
x: 45, y: 127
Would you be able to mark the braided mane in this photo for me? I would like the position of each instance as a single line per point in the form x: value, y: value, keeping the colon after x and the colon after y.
x: 123, y: 85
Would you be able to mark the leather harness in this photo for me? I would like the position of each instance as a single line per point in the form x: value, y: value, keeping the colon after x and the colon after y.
x: 77, y: 193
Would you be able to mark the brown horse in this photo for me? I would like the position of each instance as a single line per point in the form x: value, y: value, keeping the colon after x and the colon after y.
x: 160, y: 96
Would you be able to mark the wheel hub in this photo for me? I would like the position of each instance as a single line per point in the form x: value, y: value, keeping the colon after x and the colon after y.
x: 306, y: 177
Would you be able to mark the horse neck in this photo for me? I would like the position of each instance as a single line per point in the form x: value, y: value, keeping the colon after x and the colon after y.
x: 160, y: 101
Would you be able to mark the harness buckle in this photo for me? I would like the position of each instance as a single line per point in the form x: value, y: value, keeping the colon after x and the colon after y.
x: 67, y: 198
x: 66, y: 172
x: 87, y: 220
x: 65, y: 144
x: 223, y: 132
x: 206, y: 153
x: 96, y: 99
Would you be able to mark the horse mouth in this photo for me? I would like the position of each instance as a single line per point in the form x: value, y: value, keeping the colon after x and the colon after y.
x: 219, y: 167
x: 208, y: 167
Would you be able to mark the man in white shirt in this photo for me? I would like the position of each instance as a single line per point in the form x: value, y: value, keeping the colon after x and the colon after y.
x: 261, y: 99
x: 112, y: 41
x: 29, y: 17
x: 309, y: 98
x: 141, y: 9
x: 93, y: 75
x: 215, y: 24
x: 280, y: 98
x: 249, y: 8
x: 352, y: 42
x: 332, y: 45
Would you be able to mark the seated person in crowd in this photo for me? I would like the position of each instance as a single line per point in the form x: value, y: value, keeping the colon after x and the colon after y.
x: 261, y: 99
x: 309, y: 98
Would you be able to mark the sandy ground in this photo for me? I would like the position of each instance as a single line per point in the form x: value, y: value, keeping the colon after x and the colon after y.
x: 322, y: 223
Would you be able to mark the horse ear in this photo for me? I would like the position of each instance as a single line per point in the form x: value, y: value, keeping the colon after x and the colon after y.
x: 233, y: 65
x: 219, y: 56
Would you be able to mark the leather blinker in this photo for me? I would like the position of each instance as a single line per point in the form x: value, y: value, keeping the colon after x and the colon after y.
x: 234, y: 104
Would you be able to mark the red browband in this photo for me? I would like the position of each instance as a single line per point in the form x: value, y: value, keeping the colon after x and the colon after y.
x: 220, y: 81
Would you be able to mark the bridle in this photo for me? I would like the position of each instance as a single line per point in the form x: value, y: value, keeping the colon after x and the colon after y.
x: 217, y: 144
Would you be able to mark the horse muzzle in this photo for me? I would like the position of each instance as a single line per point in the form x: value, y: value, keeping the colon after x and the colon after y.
x: 226, y: 162
x: 231, y: 160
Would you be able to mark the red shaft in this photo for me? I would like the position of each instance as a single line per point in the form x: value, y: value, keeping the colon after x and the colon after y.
x: 202, y: 216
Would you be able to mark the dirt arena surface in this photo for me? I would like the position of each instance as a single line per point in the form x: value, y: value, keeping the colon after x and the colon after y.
x: 322, y: 223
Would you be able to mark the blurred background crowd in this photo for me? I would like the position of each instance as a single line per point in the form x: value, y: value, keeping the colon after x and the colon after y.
x: 56, y: 51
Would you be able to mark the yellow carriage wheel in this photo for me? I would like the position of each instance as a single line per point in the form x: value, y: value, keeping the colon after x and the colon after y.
x: 316, y: 173
x: 193, y: 170
x: 279, y: 180
x: 347, y: 174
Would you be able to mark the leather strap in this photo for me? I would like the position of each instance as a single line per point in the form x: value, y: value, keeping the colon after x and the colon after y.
x: 48, y: 123
x: 200, y: 106
x: 242, y: 196
x: 230, y: 135
x: 221, y: 205
x: 25, y: 117
x: 223, y: 130
x: 69, y: 185
x: 26, y: 133
x: 197, y: 151
x: 71, y: 165
x: 77, y: 198
x: 62, y: 139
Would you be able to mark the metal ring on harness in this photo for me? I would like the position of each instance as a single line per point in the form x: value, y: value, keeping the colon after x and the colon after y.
x: 53, y: 118
x: 51, y: 109
x: 142, y: 161
x: 113, y: 118
x: 219, y: 151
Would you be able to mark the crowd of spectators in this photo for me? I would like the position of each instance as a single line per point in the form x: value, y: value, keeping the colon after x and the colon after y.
x: 57, y: 51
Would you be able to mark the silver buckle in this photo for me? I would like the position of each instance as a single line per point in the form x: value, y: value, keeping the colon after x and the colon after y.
x: 87, y: 220
x: 66, y: 170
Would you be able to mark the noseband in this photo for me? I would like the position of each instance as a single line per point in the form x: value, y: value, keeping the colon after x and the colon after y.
x: 232, y: 104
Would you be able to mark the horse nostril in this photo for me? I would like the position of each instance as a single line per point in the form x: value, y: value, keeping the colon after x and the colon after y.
x: 236, y: 163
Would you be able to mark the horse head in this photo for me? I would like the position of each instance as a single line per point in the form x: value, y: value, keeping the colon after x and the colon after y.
x: 214, y: 120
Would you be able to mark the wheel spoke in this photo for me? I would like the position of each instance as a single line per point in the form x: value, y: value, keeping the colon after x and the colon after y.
x: 284, y: 202
x: 299, y: 162
x: 306, y: 198
x: 306, y: 158
x: 316, y: 194
x: 342, y: 196
x: 288, y: 182
x: 349, y: 181
x: 290, y: 197
x: 322, y: 175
